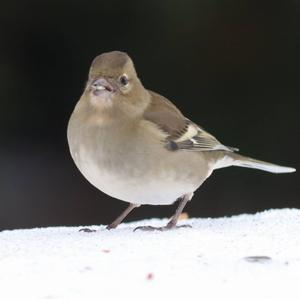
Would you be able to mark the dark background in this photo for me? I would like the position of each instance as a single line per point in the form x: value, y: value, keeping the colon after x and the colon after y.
x: 231, y: 66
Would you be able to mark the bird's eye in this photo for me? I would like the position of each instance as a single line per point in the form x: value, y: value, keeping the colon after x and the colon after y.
x: 124, y: 80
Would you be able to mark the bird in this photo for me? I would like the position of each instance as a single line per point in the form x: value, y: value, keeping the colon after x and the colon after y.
x: 135, y: 145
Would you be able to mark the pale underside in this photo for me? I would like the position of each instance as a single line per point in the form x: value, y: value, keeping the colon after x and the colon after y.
x: 150, y: 175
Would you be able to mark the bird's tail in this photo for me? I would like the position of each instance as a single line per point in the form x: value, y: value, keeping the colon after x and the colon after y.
x: 233, y: 159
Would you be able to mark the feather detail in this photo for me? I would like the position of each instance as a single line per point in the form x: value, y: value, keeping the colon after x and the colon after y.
x: 197, y: 139
x: 182, y: 134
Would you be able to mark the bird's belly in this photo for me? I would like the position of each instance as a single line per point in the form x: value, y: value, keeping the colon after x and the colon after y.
x: 150, y: 180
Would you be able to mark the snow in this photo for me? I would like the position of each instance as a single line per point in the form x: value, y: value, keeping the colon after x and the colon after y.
x: 245, y: 256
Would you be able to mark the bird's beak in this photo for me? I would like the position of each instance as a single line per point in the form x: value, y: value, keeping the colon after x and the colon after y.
x: 101, y: 85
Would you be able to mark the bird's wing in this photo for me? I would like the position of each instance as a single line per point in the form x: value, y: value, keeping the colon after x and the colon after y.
x: 183, y: 134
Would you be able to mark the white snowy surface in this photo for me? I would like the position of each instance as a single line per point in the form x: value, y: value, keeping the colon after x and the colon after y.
x: 206, y: 261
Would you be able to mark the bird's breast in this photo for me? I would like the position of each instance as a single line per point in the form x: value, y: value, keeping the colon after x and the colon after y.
x: 135, y: 170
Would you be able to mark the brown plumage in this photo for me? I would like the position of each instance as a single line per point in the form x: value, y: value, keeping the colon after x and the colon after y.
x: 135, y: 145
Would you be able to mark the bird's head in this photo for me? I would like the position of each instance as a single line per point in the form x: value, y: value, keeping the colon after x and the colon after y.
x: 113, y: 86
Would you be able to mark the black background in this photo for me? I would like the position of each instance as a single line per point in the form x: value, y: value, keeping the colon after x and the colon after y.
x: 230, y: 66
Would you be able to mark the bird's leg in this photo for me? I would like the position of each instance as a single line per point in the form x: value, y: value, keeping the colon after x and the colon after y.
x: 115, y: 223
x: 184, y: 200
x: 172, y: 223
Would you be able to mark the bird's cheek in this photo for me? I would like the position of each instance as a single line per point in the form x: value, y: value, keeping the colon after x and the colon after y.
x: 126, y: 90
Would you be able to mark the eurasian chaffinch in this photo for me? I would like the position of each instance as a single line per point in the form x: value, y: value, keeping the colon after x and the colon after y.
x: 135, y: 145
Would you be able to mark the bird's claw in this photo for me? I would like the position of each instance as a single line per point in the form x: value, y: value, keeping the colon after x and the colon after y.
x: 184, y: 226
x: 162, y: 228
x: 149, y: 228
x: 87, y: 230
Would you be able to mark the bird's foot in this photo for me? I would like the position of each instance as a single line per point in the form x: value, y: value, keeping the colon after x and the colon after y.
x: 148, y: 228
x: 111, y: 226
x: 183, y: 226
x: 162, y: 228
x: 87, y: 230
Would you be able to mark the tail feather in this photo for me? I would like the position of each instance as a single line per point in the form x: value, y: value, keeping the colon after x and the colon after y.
x: 233, y: 159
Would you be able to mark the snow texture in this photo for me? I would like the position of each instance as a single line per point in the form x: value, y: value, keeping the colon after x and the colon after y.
x: 245, y: 256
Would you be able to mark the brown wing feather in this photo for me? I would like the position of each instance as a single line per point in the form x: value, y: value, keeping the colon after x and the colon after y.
x: 182, y: 133
x: 166, y: 115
